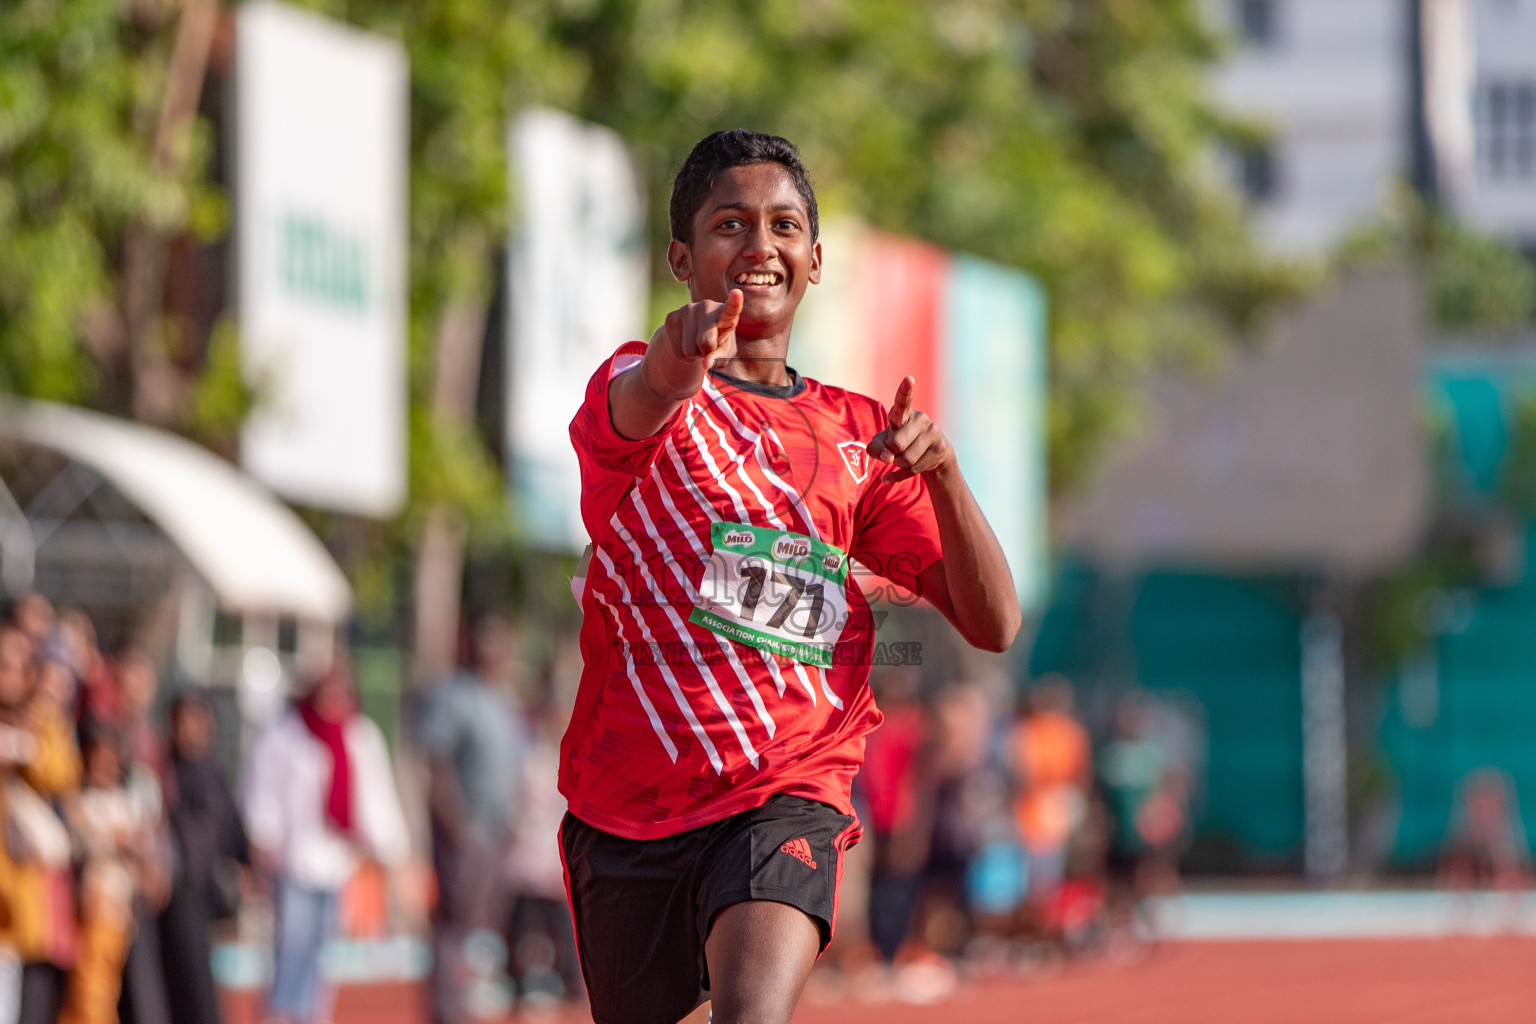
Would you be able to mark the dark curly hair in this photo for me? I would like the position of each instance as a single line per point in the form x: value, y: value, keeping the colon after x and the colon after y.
x: 720, y: 152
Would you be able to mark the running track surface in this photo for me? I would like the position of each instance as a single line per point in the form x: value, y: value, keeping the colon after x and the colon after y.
x: 1390, y: 981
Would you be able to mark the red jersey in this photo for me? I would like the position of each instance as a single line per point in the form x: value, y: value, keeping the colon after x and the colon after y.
x: 698, y: 700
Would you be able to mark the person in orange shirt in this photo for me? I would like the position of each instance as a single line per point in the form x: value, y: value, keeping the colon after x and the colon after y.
x: 39, y: 763
x: 1052, y: 761
x: 116, y: 831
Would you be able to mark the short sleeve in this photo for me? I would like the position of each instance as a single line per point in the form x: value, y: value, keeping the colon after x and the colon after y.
x: 896, y: 534
x: 609, y: 461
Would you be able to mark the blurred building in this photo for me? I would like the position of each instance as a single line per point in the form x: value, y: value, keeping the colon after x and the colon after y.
x: 1330, y: 80
x: 1226, y: 560
x: 1212, y: 563
x: 1502, y: 196
x: 1361, y: 94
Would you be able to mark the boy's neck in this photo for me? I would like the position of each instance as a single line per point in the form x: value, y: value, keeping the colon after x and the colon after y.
x: 761, y: 361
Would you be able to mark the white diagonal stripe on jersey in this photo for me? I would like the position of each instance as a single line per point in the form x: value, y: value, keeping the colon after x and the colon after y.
x: 821, y: 674
x: 634, y: 679
x: 787, y: 489
x: 704, y: 506
x: 788, y: 492
x: 800, y: 671
x: 796, y: 502
x: 778, y: 677
x: 683, y: 636
x: 682, y: 471
x: 693, y: 594
x: 638, y: 501
x: 661, y: 659
x: 740, y: 463
x: 702, y: 447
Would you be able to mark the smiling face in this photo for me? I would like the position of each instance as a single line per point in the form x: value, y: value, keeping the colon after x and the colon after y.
x: 753, y: 232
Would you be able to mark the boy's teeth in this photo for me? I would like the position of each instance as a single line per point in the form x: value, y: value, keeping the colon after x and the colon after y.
x: 756, y: 278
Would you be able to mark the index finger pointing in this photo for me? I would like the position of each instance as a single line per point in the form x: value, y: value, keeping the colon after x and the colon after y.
x: 730, y: 313
x: 902, y: 407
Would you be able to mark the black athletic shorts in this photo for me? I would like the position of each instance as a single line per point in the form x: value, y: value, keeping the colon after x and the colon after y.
x: 643, y: 907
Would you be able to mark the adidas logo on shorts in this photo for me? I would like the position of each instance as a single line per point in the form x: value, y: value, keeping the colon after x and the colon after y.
x: 799, y: 849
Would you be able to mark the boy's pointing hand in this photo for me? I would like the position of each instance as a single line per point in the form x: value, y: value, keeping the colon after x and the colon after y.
x: 689, y: 343
x: 911, y: 442
x: 706, y: 330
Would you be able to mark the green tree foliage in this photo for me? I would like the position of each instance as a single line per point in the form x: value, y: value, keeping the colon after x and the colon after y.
x: 73, y: 172
x: 1072, y: 138
x: 93, y: 163
x: 472, y: 63
x: 1477, y: 283
x: 1481, y: 286
x: 1481, y: 282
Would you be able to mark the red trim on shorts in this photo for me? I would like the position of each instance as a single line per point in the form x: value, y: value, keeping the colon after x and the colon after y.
x: 840, y: 843
x: 570, y: 902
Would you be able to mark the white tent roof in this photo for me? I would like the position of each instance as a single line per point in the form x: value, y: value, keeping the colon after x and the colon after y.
x: 252, y: 550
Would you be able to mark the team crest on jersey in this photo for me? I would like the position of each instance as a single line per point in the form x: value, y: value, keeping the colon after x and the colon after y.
x: 856, y: 458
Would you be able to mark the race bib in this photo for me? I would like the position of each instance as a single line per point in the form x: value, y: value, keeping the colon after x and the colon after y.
x: 780, y: 592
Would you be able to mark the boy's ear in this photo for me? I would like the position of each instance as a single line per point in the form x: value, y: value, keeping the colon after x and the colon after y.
x: 815, y: 274
x: 679, y: 260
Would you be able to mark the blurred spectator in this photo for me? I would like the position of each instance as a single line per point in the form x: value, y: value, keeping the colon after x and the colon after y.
x: 898, y: 821
x: 138, y: 687
x: 144, y: 999
x: 56, y: 681
x: 472, y: 735
x: 1053, y: 764
x: 38, y: 763
x: 541, y: 941
x: 33, y: 615
x: 118, y: 835
x: 1486, y: 845
x: 209, y: 842
x: 1144, y: 786
x: 970, y: 802
x: 319, y: 795
x: 96, y: 690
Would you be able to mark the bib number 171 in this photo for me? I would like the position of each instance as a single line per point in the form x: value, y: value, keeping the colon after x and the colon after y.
x: 780, y: 592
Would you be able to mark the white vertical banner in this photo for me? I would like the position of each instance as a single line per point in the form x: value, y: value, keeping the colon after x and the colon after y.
x: 578, y: 285
x: 321, y: 208
x: 994, y: 351
x: 1450, y: 82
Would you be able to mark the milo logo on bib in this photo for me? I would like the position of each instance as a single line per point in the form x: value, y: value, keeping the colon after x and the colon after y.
x: 792, y: 549
x: 780, y: 592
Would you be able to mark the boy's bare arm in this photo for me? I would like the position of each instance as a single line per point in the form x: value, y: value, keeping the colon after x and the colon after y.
x: 971, y: 585
x: 681, y: 352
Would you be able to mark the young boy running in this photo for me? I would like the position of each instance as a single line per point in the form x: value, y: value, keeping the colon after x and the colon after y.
x: 724, y: 701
